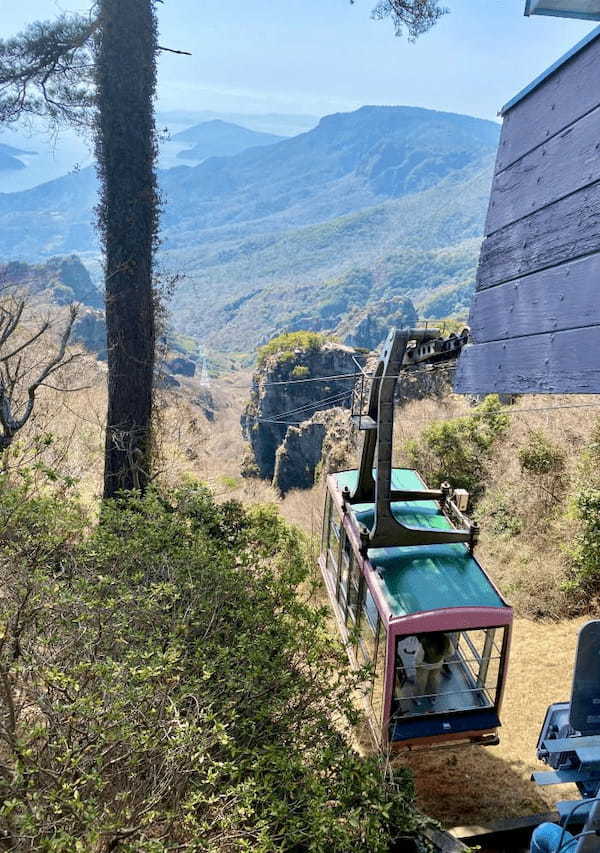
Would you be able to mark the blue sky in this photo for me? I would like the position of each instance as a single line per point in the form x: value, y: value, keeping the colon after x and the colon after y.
x: 321, y: 56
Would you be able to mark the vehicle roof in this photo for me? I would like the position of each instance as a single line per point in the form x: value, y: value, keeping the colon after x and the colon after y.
x: 415, y: 579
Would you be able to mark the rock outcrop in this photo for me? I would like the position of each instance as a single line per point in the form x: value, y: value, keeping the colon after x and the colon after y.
x: 297, y: 458
x: 205, y: 400
x: 66, y: 280
x: 89, y: 329
x: 280, y: 401
x: 369, y: 327
x: 322, y: 444
x: 424, y: 382
x: 182, y: 366
x: 298, y: 430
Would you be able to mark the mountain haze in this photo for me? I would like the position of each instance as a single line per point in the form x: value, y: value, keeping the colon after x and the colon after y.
x: 281, y: 124
x: 9, y: 157
x: 260, y: 235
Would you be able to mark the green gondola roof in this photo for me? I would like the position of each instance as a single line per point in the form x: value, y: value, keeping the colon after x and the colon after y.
x: 429, y: 577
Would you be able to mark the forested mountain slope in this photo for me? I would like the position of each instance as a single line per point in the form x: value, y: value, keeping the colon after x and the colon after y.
x: 247, y: 230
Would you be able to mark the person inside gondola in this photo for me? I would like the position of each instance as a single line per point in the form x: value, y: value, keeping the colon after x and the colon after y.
x: 421, y: 660
x: 438, y: 647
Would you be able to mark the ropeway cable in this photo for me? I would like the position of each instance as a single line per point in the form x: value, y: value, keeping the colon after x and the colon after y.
x: 329, y: 399
x: 324, y: 401
x: 410, y: 370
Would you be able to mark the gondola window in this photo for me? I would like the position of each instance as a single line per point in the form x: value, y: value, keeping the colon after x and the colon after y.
x: 445, y: 672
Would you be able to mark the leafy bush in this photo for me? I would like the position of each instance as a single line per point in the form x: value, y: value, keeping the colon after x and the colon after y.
x: 283, y: 346
x: 164, y: 687
x: 545, y: 463
x: 585, y: 551
x: 540, y: 456
x: 456, y: 450
x: 300, y: 372
x: 501, y: 515
x: 229, y: 482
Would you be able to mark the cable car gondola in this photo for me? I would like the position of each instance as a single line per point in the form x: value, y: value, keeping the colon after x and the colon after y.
x: 409, y: 595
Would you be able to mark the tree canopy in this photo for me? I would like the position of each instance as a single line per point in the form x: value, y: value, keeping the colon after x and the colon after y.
x: 414, y: 16
x: 168, y: 685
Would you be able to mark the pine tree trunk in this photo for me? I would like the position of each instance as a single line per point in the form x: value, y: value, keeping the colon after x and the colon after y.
x: 128, y: 214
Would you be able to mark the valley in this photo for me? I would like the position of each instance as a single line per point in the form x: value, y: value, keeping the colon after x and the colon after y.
x: 300, y: 233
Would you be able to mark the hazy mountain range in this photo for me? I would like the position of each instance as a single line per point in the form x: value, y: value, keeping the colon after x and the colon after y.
x: 10, y: 158
x: 279, y: 235
x: 217, y: 138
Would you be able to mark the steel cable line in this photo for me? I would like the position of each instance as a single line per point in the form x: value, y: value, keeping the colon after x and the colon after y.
x: 277, y: 418
x: 311, y: 379
x: 312, y: 405
x: 330, y: 398
x: 410, y: 370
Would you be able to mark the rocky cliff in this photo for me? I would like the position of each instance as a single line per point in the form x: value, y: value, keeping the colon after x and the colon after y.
x: 298, y: 429
x: 368, y: 327
x: 64, y: 280
x: 90, y: 330
x: 287, y: 390
x: 327, y: 442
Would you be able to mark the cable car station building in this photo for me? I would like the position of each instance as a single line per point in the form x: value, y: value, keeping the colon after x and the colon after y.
x: 535, y: 317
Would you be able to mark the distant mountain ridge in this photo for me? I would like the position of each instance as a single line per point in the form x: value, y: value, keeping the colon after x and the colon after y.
x: 257, y: 229
x: 9, y: 157
x: 219, y: 138
x: 281, y: 124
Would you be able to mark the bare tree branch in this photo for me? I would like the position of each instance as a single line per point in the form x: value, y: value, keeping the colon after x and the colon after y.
x: 12, y: 371
x: 41, y: 331
x: 171, y: 50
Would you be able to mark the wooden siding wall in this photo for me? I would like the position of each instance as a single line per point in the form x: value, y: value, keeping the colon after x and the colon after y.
x: 535, y: 318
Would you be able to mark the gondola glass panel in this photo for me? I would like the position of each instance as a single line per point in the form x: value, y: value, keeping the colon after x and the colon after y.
x: 346, y: 558
x: 354, y: 582
x: 368, y: 627
x: 332, y: 544
x: 446, y: 672
x: 378, y: 693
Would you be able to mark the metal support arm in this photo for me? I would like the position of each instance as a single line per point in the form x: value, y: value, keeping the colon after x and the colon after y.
x: 387, y: 530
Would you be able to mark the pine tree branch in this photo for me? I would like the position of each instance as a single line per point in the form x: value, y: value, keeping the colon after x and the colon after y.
x: 47, y: 71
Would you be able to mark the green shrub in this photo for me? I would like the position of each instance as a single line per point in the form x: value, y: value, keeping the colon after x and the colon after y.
x: 300, y: 372
x: 284, y: 346
x: 229, y: 482
x: 545, y: 463
x: 540, y: 456
x: 457, y: 450
x: 585, y: 550
x: 164, y: 687
x: 500, y: 515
